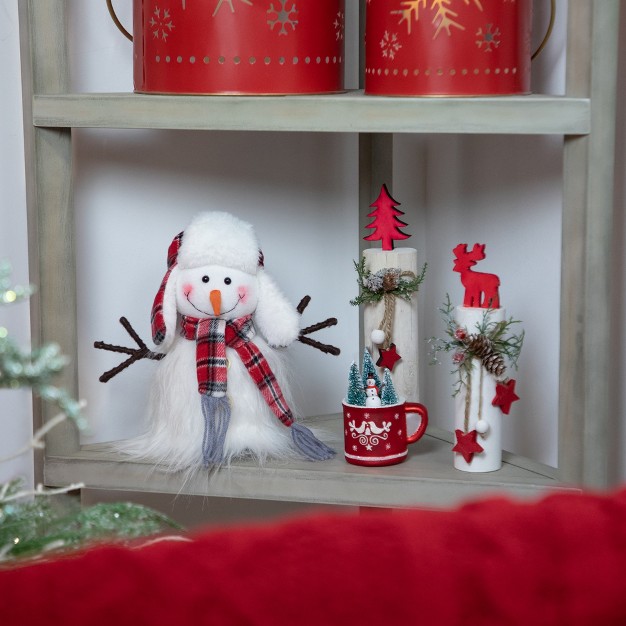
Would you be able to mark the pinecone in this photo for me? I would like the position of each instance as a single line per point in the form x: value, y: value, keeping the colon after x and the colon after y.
x: 390, y: 279
x: 481, y: 347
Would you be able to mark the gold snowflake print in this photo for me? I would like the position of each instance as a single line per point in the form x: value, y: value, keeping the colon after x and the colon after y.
x: 161, y: 24
x: 283, y: 16
x: 389, y: 45
x: 488, y: 38
x: 441, y: 11
x: 339, y: 25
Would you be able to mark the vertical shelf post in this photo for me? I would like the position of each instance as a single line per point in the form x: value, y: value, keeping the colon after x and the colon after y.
x: 585, y: 404
x: 375, y: 161
x: 50, y: 204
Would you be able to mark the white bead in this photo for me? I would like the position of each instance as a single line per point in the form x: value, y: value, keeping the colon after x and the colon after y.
x: 377, y: 337
x: 482, y: 426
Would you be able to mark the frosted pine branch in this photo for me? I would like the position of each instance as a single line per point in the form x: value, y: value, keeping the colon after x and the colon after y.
x: 40, y: 490
x: 37, y: 440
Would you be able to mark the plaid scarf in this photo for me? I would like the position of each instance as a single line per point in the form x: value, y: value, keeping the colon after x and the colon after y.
x: 212, y: 336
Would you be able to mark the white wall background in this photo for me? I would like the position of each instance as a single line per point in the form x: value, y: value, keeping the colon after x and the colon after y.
x: 136, y: 189
x: 15, y: 406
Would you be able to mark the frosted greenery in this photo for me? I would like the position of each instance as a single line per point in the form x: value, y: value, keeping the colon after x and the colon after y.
x: 46, y: 524
x: 374, y: 286
x: 501, y: 342
x: 36, y: 522
x: 389, y: 395
x: 356, y: 393
x: 369, y: 367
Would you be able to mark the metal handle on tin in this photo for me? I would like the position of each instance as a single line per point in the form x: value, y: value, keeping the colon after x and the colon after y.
x: 546, y: 37
x: 116, y: 20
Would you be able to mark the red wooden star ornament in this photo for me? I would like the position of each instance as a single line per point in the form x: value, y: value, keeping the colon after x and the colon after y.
x: 466, y: 444
x: 388, y: 358
x: 505, y: 395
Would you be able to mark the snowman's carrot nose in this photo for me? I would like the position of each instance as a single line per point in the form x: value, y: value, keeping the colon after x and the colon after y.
x: 216, y: 301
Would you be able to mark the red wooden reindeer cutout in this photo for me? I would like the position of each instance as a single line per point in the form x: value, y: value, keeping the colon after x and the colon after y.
x: 481, y: 290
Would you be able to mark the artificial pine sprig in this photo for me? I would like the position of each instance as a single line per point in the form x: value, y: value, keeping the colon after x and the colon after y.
x: 29, y: 529
x: 37, y: 521
x: 375, y: 285
x: 35, y: 369
x: 490, y: 342
x: 21, y: 368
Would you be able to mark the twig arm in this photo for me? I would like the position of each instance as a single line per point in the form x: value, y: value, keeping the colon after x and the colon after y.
x: 327, y: 323
x: 136, y: 354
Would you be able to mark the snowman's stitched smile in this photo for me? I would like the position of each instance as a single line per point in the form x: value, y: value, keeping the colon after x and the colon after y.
x: 210, y: 314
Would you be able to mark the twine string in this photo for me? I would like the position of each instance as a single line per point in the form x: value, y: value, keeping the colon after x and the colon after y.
x: 468, y: 398
x: 480, y: 396
x: 389, y: 309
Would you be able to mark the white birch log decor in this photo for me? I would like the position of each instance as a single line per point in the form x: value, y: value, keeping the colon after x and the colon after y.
x: 474, y: 410
x: 405, y: 320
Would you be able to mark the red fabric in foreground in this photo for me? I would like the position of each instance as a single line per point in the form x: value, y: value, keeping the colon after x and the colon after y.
x: 561, y: 561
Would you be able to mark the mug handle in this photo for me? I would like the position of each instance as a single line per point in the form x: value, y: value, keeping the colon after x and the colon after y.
x: 422, y: 411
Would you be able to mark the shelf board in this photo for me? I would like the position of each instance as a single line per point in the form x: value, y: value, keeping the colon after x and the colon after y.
x: 346, y: 112
x: 426, y: 478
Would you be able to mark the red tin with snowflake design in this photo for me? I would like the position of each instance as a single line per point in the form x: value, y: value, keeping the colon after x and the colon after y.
x: 238, y: 46
x: 448, y: 47
x: 378, y: 435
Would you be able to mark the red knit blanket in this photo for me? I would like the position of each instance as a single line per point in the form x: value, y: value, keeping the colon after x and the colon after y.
x: 559, y: 562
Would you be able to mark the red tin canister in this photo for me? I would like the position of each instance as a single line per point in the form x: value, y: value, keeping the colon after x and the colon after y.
x: 238, y: 46
x: 448, y: 47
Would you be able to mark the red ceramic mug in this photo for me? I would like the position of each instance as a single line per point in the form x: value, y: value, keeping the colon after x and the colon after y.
x: 376, y: 436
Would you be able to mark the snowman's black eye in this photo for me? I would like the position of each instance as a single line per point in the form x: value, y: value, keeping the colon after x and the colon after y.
x: 227, y: 281
x: 205, y: 279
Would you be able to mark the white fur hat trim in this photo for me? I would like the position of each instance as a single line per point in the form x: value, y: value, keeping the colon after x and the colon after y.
x: 219, y: 239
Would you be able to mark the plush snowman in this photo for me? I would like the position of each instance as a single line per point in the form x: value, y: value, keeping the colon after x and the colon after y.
x: 220, y: 391
x: 372, y: 397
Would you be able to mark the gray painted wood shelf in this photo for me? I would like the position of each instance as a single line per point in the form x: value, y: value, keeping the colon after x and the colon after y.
x: 427, y: 476
x: 584, y: 117
x: 347, y: 112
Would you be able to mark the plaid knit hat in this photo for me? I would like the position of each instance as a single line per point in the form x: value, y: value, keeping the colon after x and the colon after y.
x: 214, y: 238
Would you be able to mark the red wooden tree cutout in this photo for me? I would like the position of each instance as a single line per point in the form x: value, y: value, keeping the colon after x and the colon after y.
x: 481, y: 290
x: 386, y: 223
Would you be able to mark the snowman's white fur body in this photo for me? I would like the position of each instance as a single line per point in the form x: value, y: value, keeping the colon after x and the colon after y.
x: 176, y: 422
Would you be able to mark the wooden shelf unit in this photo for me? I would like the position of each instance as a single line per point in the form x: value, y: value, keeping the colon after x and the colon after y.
x: 585, y: 118
x: 350, y: 112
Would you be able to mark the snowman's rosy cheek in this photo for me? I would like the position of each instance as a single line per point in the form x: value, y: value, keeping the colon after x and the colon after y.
x: 243, y: 294
x: 187, y: 289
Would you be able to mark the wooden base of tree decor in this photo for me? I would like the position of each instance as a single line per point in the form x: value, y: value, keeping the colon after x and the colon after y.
x: 477, y: 422
x: 400, y: 317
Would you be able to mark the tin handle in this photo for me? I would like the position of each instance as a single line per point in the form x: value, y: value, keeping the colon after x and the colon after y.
x: 546, y: 37
x: 116, y: 20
